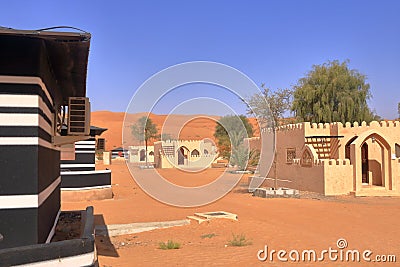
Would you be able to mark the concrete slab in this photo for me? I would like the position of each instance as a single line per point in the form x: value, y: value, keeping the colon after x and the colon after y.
x: 217, y: 215
x: 132, y: 228
x: 197, y: 219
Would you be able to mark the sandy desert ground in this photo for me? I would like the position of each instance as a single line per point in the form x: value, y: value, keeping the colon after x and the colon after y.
x: 311, y: 222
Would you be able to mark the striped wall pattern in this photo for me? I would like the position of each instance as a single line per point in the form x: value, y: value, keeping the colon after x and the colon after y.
x: 29, y: 163
x: 80, y: 174
x: 84, y: 157
x: 116, y: 153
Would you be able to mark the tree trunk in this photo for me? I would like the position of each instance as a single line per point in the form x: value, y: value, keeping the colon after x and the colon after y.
x: 146, y: 154
x: 145, y: 144
x: 275, y: 174
x: 275, y: 161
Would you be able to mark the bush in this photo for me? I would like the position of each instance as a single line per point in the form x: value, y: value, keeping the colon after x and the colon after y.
x: 169, y: 245
x: 208, y: 235
x: 239, y: 241
x: 99, y: 155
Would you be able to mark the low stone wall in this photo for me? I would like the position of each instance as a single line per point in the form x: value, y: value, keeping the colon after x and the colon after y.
x: 338, y: 177
x: 86, y: 185
x: 300, y: 178
x: 86, y: 194
x: 279, y: 193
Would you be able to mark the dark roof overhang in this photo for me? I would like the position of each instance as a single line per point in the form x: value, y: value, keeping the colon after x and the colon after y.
x: 59, y: 58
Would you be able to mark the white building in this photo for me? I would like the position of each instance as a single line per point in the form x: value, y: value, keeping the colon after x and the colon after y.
x: 137, y: 154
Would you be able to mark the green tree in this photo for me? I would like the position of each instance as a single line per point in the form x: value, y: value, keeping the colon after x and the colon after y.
x: 230, y: 132
x: 332, y: 92
x: 398, y: 109
x: 240, y: 153
x: 166, y: 136
x: 145, y: 130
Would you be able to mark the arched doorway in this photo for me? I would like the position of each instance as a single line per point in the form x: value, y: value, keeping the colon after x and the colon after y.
x: 182, y: 155
x: 375, y: 161
x: 365, y: 164
x: 142, y: 155
x: 376, y: 177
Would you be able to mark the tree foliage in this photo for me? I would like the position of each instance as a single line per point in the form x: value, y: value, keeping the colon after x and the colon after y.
x: 145, y: 130
x: 239, y: 151
x: 167, y: 136
x: 398, y: 109
x: 269, y: 106
x: 332, y: 92
x: 230, y: 132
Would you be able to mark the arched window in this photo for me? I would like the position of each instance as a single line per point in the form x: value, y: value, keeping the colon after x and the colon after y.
x: 205, y: 152
x: 306, y: 159
x: 347, y: 148
x: 397, y: 149
x: 182, y: 155
x: 151, y: 153
x: 195, y: 153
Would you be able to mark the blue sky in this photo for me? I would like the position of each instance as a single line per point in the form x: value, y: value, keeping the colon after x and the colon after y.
x: 273, y: 42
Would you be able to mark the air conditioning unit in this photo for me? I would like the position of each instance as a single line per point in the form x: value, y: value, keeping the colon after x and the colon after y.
x: 78, y: 116
x: 75, y: 119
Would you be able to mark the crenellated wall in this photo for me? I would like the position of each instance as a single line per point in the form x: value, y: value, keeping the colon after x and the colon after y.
x: 389, y: 129
x: 297, y: 133
x: 338, y: 176
x: 299, y: 163
x: 286, y: 137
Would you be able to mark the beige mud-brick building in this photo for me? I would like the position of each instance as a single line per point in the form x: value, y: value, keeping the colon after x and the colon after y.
x: 184, y: 153
x: 137, y: 154
x: 335, y: 159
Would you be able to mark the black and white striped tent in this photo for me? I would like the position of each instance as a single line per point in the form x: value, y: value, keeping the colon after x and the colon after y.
x: 119, y: 152
x: 39, y: 71
x: 84, y: 157
x: 81, y: 173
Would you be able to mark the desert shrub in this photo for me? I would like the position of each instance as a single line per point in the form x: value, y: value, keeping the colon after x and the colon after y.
x: 169, y: 245
x: 208, y: 235
x: 239, y: 241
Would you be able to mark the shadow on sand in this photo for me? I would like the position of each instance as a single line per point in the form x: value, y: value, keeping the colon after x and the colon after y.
x: 103, y: 243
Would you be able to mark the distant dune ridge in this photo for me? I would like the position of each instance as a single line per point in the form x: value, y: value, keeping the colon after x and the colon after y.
x: 200, y: 127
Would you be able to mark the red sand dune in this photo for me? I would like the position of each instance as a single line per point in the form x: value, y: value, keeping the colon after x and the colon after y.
x: 201, y: 127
